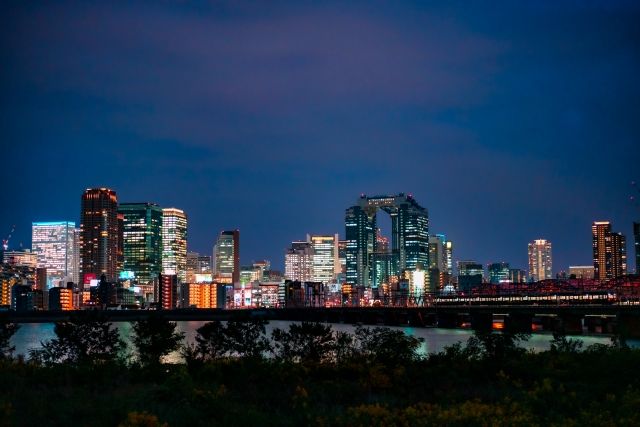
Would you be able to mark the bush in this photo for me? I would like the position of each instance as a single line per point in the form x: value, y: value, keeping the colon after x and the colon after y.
x: 87, y: 339
x: 236, y: 339
x: 306, y: 342
x: 154, y: 338
x: 386, y: 345
x: 7, y: 330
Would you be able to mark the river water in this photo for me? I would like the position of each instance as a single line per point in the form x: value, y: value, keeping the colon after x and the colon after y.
x: 30, y: 335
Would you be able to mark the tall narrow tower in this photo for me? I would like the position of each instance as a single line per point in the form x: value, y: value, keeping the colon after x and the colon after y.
x: 174, y: 243
x: 227, y: 255
x: 98, y: 234
x: 540, y: 261
x: 609, y: 251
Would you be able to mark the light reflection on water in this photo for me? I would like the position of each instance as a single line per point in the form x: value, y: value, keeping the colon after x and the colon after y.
x: 30, y: 335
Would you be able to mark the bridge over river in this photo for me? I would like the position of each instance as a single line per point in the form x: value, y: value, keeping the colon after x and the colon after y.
x: 615, y: 318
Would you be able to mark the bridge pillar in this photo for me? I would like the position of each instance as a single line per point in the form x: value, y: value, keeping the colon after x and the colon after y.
x: 518, y: 323
x: 447, y: 320
x: 628, y: 325
x: 570, y: 324
x: 482, y: 322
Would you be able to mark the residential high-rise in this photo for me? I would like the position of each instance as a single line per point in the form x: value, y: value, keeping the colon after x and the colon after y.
x: 98, y: 234
x: 636, y: 235
x: 540, y: 263
x: 174, y: 243
x: 298, y: 262
x: 142, y: 240
x: 409, y: 238
x: 325, y: 259
x: 226, y: 253
x: 55, y: 245
x: 609, y: 252
x: 581, y: 271
x: 168, y: 291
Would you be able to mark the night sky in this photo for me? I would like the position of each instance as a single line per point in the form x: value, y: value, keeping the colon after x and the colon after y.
x: 508, y: 121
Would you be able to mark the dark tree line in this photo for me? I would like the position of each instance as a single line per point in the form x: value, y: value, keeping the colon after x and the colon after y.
x: 92, y: 339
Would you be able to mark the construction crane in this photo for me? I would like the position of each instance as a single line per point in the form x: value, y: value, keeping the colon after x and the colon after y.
x: 5, y: 242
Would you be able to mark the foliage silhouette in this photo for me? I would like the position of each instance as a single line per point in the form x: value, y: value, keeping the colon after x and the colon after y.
x: 561, y: 344
x: 7, y: 330
x: 154, y: 338
x: 86, y: 339
x: 386, y: 345
x: 307, y: 342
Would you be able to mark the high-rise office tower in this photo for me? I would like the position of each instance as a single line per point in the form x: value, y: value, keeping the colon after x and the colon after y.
x: 142, y: 240
x: 381, y: 262
x: 98, y: 234
x: 517, y: 275
x: 439, y: 252
x: 540, y: 264
x: 609, y: 252
x: 174, y: 243
x: 409, y: 235
x: 636, y: 235
x: 440, y: 261
x: 227, y: 255
x: 342, y: 256
x: 325, y: 257
x: 498, y: 272
x: 298, y: 262
x: 55, y: 245
x: 469, y: 275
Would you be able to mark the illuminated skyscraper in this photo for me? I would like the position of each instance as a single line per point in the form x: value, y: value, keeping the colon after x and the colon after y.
x: 609, y: 252
x: 409, y: 235
x: 469, y: 275
x: 55, y: 244
x: 636, y: 235
x: 142, y: 240
x: 174, y: 243
x: 325, y: 259
x: 298, y: 262
x: 498, y: 272
x: 98, y: 234
x: 226, y: 253
x: 540, y: 263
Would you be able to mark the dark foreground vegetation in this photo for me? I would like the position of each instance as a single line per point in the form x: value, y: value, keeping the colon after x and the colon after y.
x: 235, y: 375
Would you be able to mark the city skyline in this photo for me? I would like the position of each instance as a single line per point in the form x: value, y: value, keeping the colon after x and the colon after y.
x: 494, y: 123
x: 629, y: 241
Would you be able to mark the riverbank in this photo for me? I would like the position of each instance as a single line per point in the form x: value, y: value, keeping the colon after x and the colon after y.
x: 599, y: 386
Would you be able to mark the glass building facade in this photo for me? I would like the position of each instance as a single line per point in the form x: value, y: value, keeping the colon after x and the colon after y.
x: 174, y: 243
x: 56, y: 247
x: 326, y: 262
x: 142, y: 240
x: 409, y: 236
x: 499, y: 272
x: 226, y: 253
x: 636, y: 236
